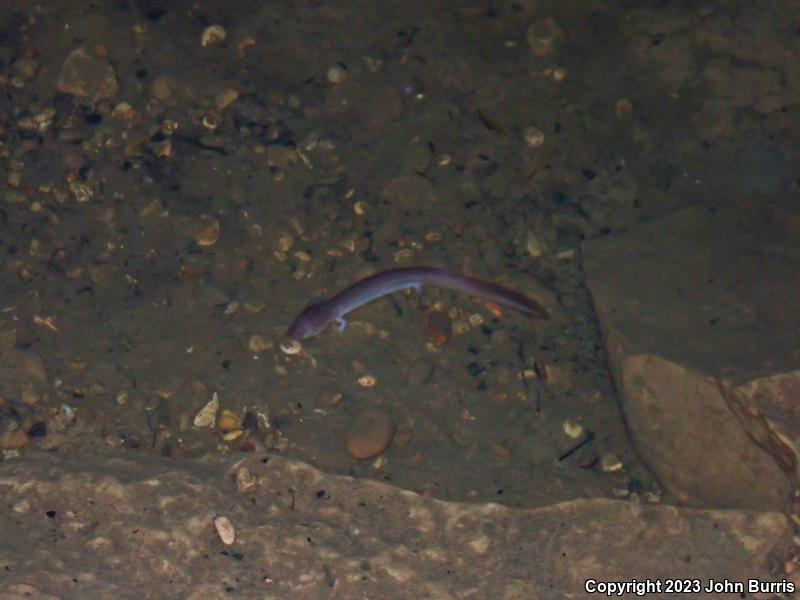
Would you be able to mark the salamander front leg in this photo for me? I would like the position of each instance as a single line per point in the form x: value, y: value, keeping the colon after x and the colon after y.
x: 341, y: 323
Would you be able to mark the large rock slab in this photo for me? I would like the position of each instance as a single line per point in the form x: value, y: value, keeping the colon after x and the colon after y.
x: 701, y: 318
x: 115, y: 527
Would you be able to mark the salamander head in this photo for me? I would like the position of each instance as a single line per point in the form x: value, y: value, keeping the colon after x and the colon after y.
x: 313, y: 320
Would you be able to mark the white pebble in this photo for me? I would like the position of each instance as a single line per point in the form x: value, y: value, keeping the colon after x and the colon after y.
x: 225, y: 530
x: 533, y: 137
x: 207, y: 415
x: 291, y: 347
x: 336, y: 74
x: 572, y: 429
x: 610, y: 463
x: 213, y: 34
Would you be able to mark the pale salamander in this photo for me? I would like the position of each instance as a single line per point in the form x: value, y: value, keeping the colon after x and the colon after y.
x: 316, y: 317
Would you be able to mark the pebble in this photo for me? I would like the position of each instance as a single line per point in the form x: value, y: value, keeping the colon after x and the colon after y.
x: 85, y: 76
x: 544, y: 37
x: 281, y: 157
x: 623, y: 109
x: 291, y: 347
x: 420, y: 372
x: 610, y: 463
x: 163, y: 88
x: 125, y: 113
x: 259, y: 343
x: 8, y: 340
x: 367, y: 380
x: 558, y: 74
x: 207, y: 232
x: 204, y: 230
x: 534, y: 137
x: 572, y: 429
x: 336, y: 74
x: 212, y: 296
x: 14, y: 439
x: 284, y: 242
x: 233, y: 435
x: 207, y: 415
x: 229, y: 421
x: 535, y: 245
x: 212, y: 35
x: 225, y: 530
x: 25, y: 68
x: 245, y: 480
x: 501, y: 452
x: 370, y: 432
x: 225, y: 98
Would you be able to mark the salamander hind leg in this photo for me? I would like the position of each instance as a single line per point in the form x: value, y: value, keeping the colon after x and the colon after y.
x: 341, y: 323
x: 422, y: 297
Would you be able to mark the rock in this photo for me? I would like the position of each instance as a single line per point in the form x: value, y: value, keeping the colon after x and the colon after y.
x: 225, y: 530
x: 226, y: 97
x: 258, y: 343
x: 203, y: 229
x: 419, y: 373
x: 370, y: 433
x: 14, y: 439
x: 700, y: 313
x: 207, y: 416
x: 544, y: 37
x: 163, y: 88
x: 85, y: 76
x: 213, y: 35
x: 245, y: 482
x: 22, y: 374
x: 145, y: 525
x: 281, y: 157
x: 229, y: 420
x: 211, y: 295
x: 336, y: 74
x: 410, y: 191
x: 8, y: 339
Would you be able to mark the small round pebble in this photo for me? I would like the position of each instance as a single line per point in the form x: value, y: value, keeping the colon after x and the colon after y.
x: 370, y: 433
x: 572, y: 429
x: 336, y: 74
x: 534, y: 137
x: 212, y: 35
